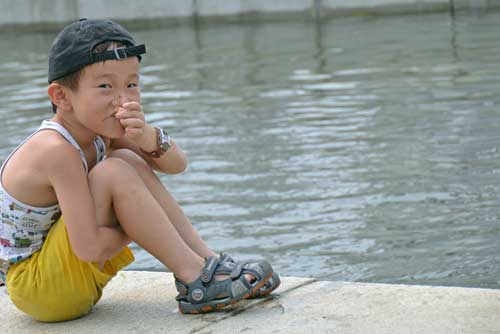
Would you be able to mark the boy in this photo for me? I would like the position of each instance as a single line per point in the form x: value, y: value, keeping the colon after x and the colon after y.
x: 76, y: 192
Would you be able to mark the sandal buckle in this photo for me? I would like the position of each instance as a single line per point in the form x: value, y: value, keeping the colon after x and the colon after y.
x: 197, y: 295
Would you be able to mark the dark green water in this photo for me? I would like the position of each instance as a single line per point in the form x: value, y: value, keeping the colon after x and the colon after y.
x: 363, y: 149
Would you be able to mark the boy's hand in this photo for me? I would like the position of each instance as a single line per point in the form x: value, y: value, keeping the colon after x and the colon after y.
x: 132, y: 119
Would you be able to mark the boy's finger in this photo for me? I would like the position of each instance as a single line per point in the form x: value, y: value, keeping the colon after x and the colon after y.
x: 132, y: 105
x: 123, y: 114
x: 133, y: 132
x: 132, y: 122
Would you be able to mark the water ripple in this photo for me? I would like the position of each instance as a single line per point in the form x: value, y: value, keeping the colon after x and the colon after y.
x: 362, y: 150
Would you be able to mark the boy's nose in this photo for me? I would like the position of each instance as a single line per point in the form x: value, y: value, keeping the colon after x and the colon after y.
x: 120, y: 100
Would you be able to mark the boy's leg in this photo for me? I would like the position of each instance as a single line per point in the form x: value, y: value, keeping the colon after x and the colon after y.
x: 118, y: 189
x: 166, y: 201
x: 169, y: 206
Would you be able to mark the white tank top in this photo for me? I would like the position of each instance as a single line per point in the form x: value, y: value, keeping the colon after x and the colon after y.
x: 23, y: 228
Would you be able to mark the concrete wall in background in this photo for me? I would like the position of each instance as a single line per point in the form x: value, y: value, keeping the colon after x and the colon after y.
x: 47, y: 12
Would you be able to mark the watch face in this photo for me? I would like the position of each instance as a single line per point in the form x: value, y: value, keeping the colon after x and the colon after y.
x: 164, y: 140
x: 164, y: 146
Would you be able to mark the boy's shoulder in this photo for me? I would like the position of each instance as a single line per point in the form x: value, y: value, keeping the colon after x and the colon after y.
x: 29, y: 173
x: 44, y: 150
x: 53, y: 148
x: 49, y: 142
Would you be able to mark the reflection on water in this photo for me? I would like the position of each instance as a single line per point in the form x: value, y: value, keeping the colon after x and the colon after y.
x: 358, y: 149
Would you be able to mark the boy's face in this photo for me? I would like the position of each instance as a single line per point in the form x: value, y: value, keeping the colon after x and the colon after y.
x: 103, y: 87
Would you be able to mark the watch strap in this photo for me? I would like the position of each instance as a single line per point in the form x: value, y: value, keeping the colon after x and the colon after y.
x: 162, y: 142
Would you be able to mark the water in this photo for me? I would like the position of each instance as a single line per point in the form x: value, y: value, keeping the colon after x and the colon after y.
x: 361, y: 149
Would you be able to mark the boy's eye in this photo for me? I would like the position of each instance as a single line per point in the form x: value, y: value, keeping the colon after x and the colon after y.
x: 104, y: 86
x: 132, y: 85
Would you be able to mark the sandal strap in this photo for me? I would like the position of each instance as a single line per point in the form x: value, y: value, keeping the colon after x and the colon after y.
x: 238, y: 269
x: 208, y: 271
x: 254, y: 268
x: 235, y: 269
x: 206, y: 276
x: 199, y: 292
x: 181, y: 287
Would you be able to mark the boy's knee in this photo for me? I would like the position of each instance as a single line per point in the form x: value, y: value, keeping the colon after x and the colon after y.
x: 112, y: 171
x: 132, y: 158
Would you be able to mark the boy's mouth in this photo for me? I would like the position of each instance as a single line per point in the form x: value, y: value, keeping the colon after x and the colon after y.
x: 114, y: 114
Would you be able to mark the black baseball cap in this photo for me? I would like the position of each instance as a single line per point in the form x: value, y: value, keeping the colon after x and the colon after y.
x: 73, y: 47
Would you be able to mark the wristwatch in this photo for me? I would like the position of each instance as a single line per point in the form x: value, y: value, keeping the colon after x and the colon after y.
x: 164, y: 143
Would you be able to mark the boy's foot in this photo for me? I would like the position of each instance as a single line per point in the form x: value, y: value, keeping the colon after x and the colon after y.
x: 207, y: 293
x: 228, y: 264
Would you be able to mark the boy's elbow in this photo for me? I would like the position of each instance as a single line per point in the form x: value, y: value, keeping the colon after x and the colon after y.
x: 84, y: 240
x: 89, y: 254
x: 183, y: 165
x: 179, y: 167
x: 86, y: 258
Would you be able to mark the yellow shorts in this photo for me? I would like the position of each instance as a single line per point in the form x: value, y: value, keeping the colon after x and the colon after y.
x: 54, y: 285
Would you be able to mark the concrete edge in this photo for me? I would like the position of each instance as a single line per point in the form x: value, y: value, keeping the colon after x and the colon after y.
x: 314, y: 10
x: 144, y: 302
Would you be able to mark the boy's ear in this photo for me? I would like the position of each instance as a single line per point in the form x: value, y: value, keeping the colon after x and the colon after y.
x: 59, y: 95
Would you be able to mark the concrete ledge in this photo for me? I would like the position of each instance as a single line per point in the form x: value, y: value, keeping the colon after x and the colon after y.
x: 224, y: 7
x: 128, y: 10
x: 39, y: 14
x: 143, y: 302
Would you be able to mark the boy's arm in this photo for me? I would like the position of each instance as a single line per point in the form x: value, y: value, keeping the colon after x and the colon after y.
x: 139, y: 135
x: 67, y: 176
x: 174, y: 161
